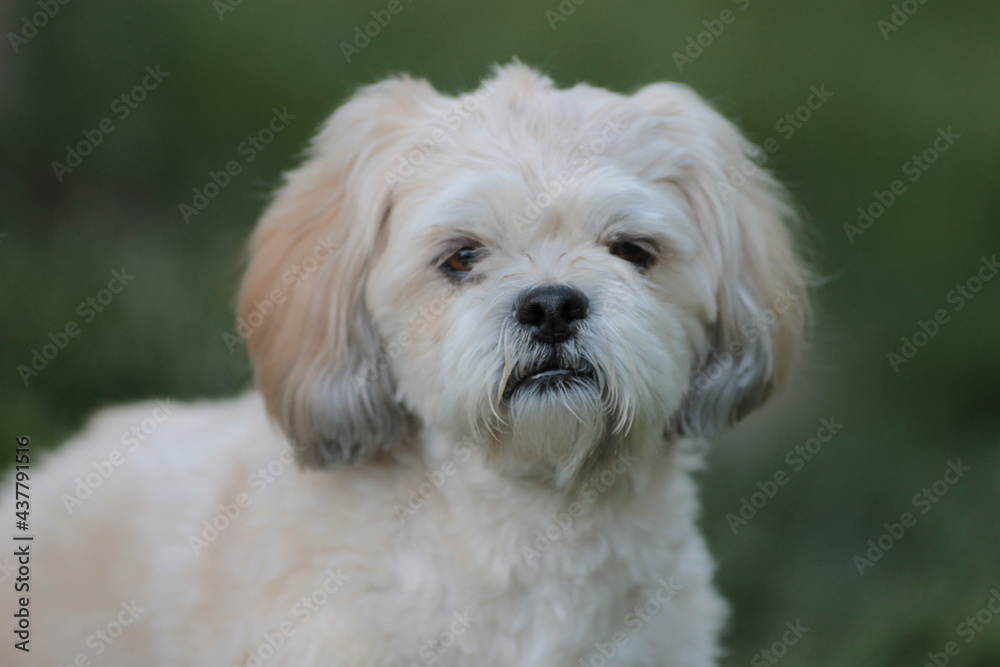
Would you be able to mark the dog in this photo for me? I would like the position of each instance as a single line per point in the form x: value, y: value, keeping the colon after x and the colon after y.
x: 489, y: 332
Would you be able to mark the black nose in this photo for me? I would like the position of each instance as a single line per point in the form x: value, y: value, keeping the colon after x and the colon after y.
x: 551, y: 311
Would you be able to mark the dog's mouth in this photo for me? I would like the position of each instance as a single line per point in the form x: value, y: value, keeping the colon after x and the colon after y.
x: 551, y: 374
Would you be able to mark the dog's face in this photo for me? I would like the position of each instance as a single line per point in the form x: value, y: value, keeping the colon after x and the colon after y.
x: 556, y: 336
x: 561, y: 273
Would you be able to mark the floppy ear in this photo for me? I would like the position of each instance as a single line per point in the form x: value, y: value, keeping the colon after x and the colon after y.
x: 761, y: 304
x: 301, y: 305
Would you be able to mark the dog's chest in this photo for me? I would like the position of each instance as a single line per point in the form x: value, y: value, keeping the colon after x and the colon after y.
x: 532, y: 620
x: 528, y: 597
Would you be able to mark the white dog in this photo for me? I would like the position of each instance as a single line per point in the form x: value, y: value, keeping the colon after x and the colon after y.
x: 485, y: 329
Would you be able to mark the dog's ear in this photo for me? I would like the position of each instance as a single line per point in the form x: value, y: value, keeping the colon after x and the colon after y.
x: 301, y: 306
x: 760, y: 307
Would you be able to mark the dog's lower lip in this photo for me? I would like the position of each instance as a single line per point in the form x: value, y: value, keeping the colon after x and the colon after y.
x: 550, y: 373
x: 546, y: 377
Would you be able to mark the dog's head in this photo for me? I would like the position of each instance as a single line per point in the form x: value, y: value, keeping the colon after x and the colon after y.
x: 559, y: 272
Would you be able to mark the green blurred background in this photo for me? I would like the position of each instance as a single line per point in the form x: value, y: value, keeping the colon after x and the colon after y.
x: 892, y: 92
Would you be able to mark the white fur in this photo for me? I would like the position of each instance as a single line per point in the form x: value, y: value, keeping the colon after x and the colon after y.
x: 451, y: 525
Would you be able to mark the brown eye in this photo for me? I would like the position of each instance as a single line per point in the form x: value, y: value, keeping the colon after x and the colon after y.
x: 460, y: 262
x: 632, y: 253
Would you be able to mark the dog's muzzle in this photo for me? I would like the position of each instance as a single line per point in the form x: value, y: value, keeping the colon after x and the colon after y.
x: 551, y: 315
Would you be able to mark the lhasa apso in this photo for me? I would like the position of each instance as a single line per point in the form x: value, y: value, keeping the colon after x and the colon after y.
x: 485, y: 330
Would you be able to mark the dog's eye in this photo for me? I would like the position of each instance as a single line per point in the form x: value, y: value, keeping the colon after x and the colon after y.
x: 460, y: 262
x: 633, y: 253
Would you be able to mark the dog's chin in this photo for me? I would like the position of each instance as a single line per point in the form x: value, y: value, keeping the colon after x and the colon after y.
x: 558, y: 423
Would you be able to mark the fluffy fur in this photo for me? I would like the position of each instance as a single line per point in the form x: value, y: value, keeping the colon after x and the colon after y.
x: 389, y: 498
